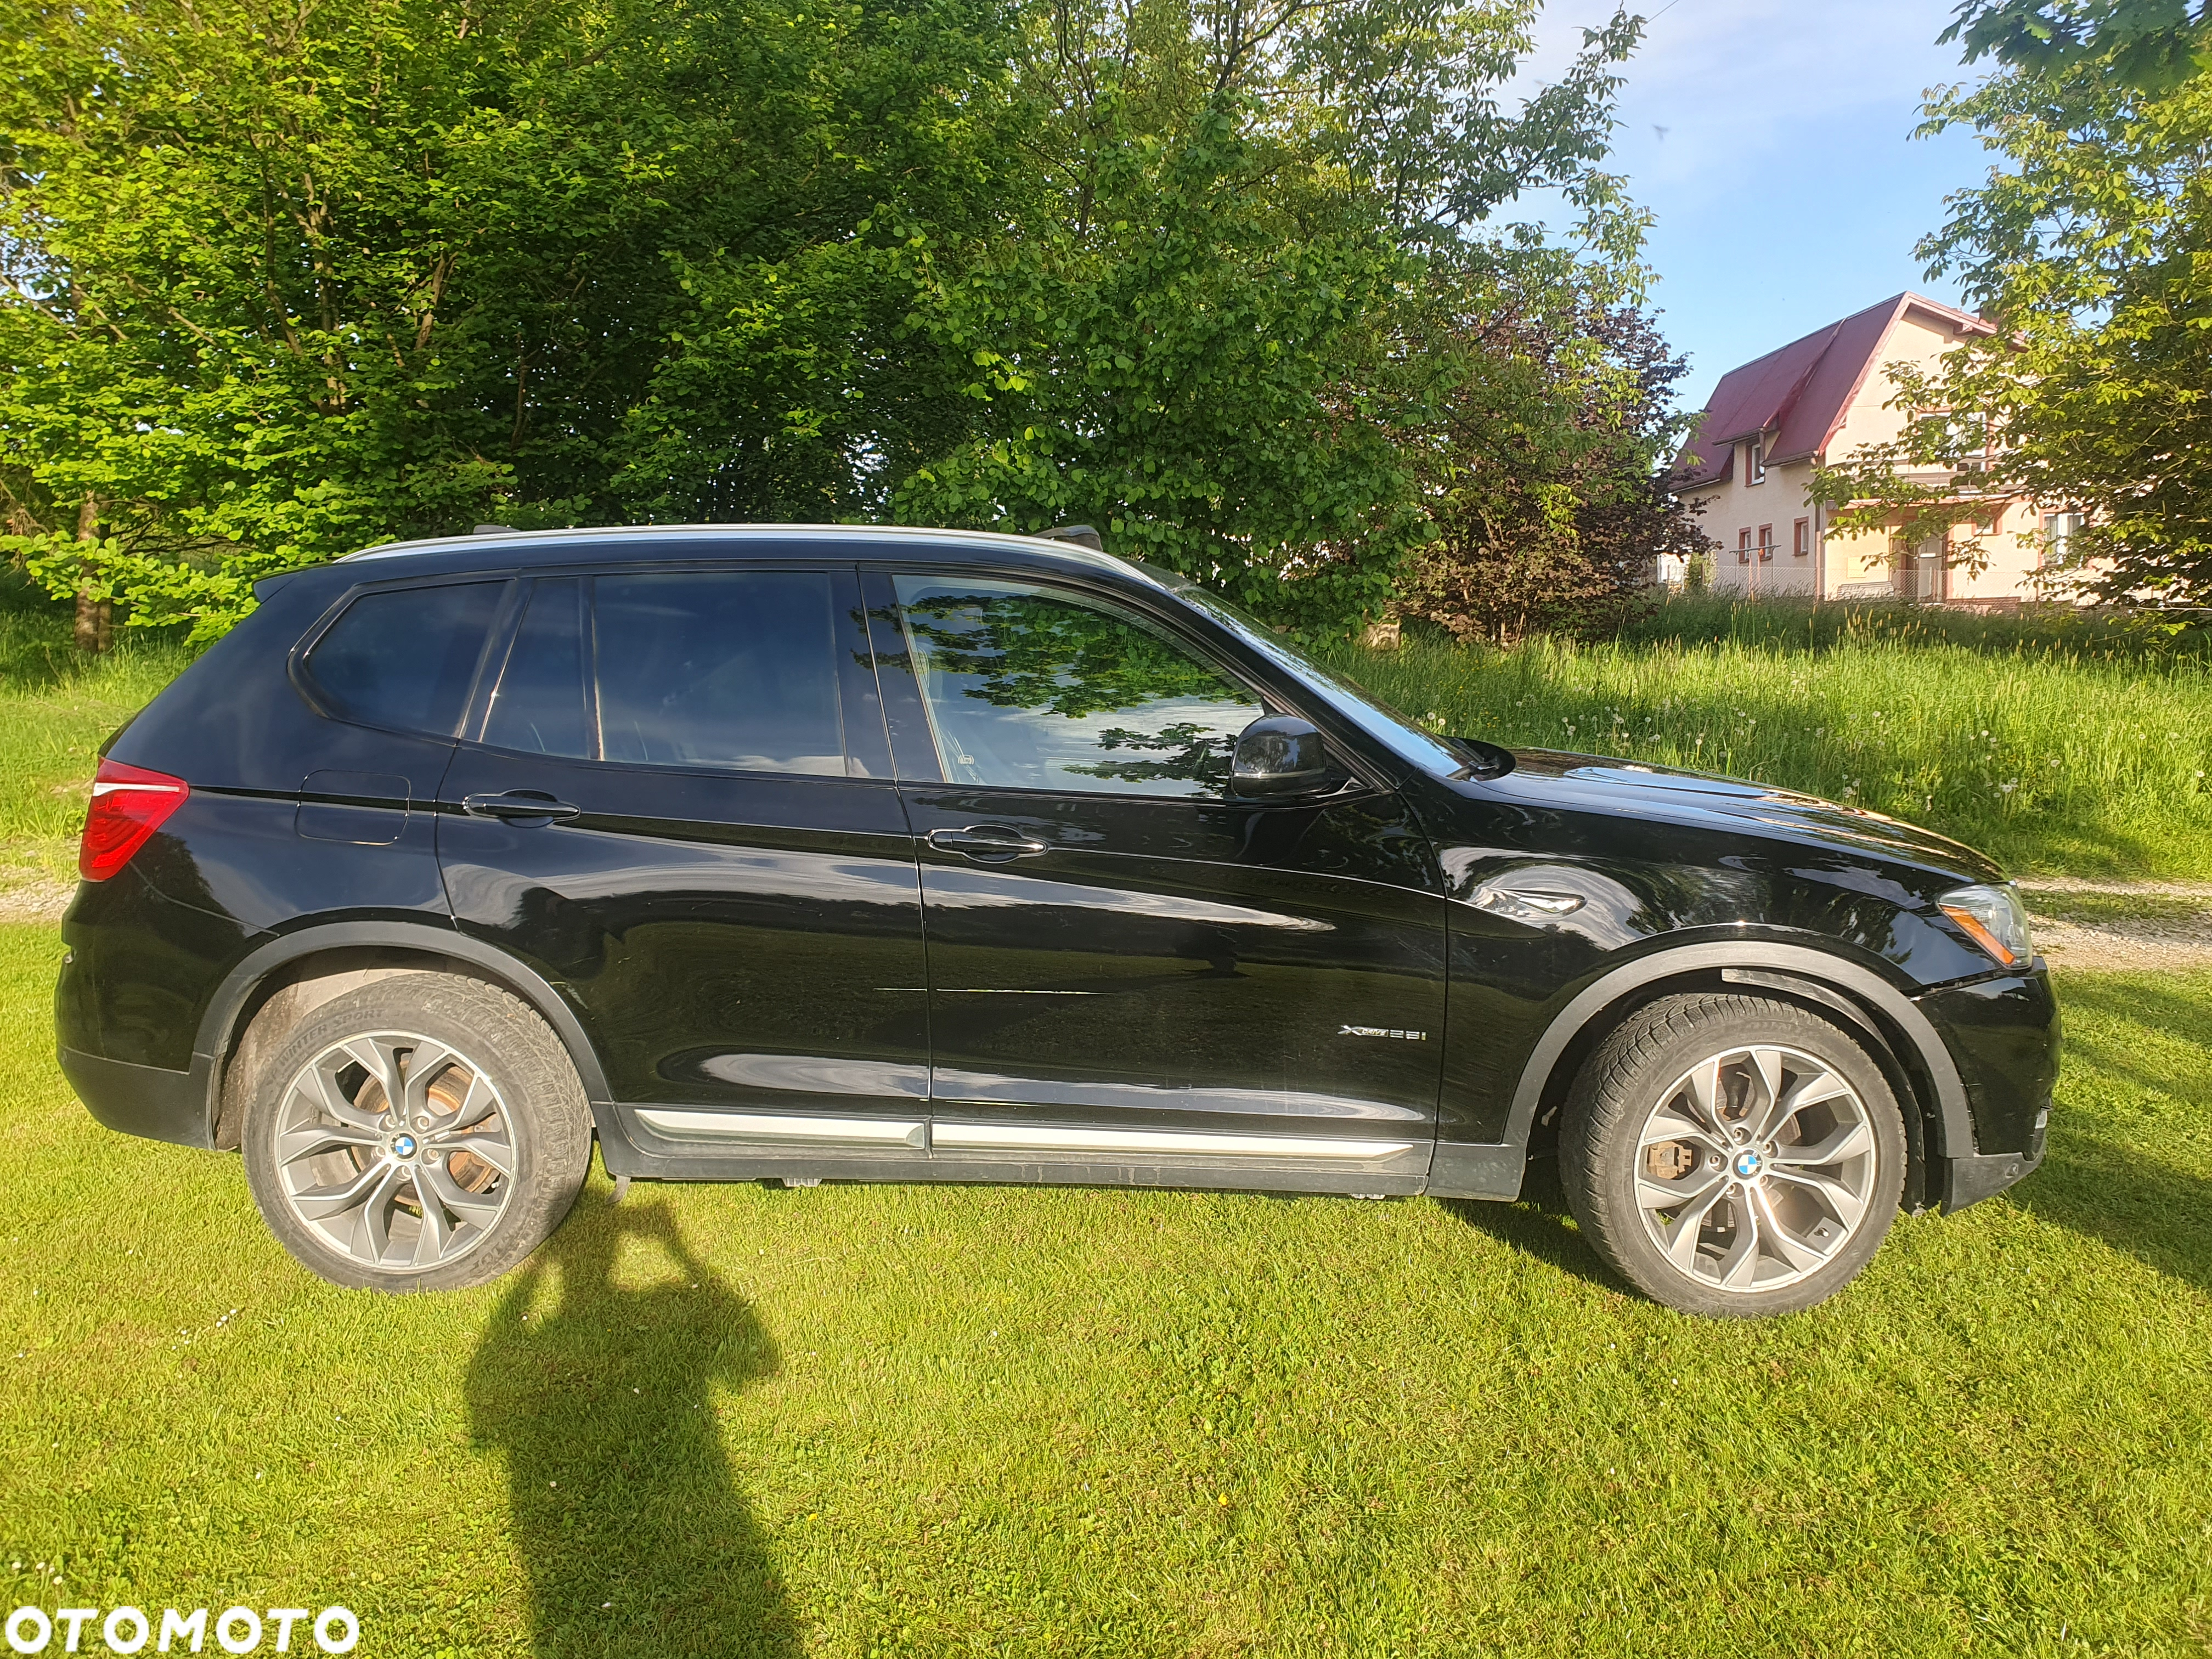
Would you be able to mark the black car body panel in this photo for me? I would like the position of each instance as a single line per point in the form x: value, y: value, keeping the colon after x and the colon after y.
x: 734, y: 958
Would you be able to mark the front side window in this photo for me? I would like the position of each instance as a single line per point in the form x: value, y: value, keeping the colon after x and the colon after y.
x: 734, y: 669
x: 1029, y: 688
x: 405, y: 658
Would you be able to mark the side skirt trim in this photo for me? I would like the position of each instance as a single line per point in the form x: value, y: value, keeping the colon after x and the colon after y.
x: 769, y: 1129
x: 1168, y: 1143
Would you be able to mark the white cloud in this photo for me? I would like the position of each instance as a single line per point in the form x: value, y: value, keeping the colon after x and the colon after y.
x: 1734, y: 81
x: 1788, y: 188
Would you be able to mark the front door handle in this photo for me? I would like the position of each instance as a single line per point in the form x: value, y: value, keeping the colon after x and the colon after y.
x: 988, y: 843
x: 519, y: 805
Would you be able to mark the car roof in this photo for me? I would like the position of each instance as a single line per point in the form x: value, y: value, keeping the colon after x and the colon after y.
x: 511, y: 548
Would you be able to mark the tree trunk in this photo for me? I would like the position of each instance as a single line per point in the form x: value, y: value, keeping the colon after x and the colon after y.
x: 95, y: 618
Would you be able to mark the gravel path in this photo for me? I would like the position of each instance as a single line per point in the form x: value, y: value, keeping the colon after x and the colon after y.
x: 2176, y: 942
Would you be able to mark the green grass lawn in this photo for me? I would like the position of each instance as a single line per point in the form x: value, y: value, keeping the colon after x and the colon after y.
x: 859, y: 1421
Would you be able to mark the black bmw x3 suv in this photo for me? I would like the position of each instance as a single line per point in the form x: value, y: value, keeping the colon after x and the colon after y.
x: 806, y: 854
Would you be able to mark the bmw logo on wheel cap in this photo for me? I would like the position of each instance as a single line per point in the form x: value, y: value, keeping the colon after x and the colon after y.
x: 404, y: 1144
x: 1747, y: 1164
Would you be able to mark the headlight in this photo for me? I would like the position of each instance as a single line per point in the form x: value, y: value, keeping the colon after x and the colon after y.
x: 1994, y: 919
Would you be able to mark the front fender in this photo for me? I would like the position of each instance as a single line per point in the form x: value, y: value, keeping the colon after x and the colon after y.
x: 1493, y: 1169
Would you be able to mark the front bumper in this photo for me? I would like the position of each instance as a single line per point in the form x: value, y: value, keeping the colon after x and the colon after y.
x: 2002, y: 1034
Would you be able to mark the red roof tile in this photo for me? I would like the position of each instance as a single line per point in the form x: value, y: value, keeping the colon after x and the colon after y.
x: 1801, y: 392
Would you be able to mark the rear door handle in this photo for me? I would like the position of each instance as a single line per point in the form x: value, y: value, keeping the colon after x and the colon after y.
x: 992, y: 843
x: 518, y: 805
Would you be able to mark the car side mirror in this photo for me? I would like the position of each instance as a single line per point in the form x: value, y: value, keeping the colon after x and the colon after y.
x: 1279, y: 756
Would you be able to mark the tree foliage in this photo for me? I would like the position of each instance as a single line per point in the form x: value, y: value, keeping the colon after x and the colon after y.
x: 2089, y: 248
x: 1546, y: 476
x: 287, y: 280
x: 2151, y: 45
x: 284, y: 281
x: 1199, y: 342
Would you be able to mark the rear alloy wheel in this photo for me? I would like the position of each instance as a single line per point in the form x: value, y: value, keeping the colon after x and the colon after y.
x: 423, y: 1132
x: 1732, y: 1156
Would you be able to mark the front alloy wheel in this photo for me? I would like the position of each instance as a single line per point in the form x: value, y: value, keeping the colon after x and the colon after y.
x: 1755, y: 1167
x: 1732, y: 1156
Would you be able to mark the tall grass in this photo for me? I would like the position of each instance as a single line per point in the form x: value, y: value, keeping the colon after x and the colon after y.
x: 57, y: 705
x: 2037, y: 630
x: 2059, y: 746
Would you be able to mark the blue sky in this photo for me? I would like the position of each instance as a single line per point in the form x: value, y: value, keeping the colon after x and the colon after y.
x: 1788, y: 188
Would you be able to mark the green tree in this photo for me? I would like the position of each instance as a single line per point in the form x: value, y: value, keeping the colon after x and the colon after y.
x: 1545, y: 479
x: 2150, y: 45
x: 1198, y: 341
x: 283, y: 281
x: 2088, y: 248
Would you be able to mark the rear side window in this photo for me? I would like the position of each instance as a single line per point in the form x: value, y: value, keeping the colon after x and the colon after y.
x: 732, y: 669
x: 539, y: 706
x: 406, y: 657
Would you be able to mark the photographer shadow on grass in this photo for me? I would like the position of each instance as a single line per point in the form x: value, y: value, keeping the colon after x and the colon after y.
x: 598, y: 1378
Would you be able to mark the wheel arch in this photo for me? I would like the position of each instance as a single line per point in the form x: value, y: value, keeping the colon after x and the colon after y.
x: 1905, y: 1042
x: 290, y: 976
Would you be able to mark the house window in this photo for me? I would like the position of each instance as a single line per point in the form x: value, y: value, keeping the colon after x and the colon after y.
x: 1968, y: 437
x: 2059, y: 529
x: 1801, y: 539
x: 1766, y: 543
x: 1754, y: 461
x: 1743, y: 547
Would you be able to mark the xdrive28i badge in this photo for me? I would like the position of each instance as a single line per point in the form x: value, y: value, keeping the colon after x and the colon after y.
x: 1381, y: 1031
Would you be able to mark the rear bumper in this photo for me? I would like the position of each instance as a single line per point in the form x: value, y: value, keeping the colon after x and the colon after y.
x: 142, y: 1100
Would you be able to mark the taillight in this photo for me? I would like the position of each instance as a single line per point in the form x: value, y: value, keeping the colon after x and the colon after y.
x: 128, y: 804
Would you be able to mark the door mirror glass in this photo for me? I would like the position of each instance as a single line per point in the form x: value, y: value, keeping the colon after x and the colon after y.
x: 1279, y: 756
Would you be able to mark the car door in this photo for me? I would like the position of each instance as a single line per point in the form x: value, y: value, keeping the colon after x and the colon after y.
x: 676, y: 804
x: 1127, y: 965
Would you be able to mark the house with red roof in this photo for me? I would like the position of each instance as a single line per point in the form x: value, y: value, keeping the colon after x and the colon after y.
x: 1772, y: 423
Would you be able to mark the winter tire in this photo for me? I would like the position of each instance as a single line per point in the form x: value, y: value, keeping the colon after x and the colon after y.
x: 422, y: 1132
x: 1732, y: 1156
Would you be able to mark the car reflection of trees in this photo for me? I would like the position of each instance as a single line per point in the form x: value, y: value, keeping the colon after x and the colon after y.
x: 1201, y: 756
x: 1032, y: 653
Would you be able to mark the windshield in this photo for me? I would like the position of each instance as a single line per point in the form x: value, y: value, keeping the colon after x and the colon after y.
x: 1362, y: 708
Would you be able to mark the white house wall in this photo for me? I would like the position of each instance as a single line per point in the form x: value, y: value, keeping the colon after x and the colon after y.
x: 1840, y: 566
